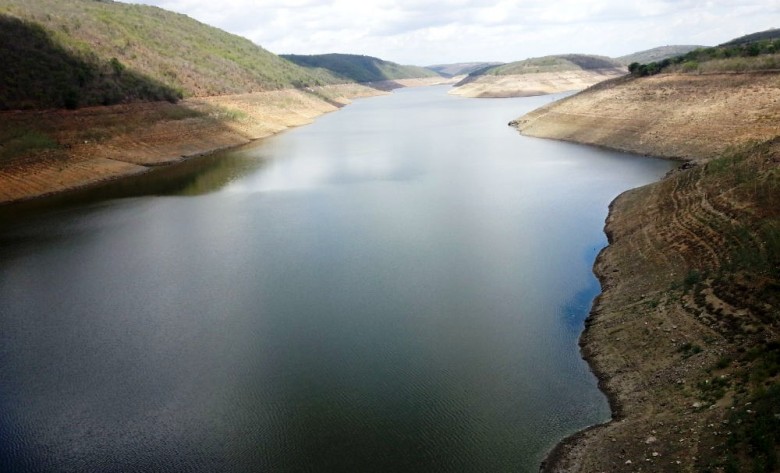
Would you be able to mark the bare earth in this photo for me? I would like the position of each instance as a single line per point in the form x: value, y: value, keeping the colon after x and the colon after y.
x: 668, y: 343
x: 669, y: 115
x: 103, y: 143
x: 526, y: 85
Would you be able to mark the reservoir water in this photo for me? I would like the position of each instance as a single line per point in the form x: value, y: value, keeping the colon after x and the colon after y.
x: 398, y: 287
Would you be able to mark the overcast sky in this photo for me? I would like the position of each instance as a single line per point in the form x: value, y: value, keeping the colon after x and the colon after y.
x: 425, y: 32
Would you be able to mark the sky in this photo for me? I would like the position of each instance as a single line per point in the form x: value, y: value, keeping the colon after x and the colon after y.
x: 427, y: 32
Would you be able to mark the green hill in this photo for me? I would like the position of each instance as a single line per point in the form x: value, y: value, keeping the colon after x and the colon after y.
x: 754, y: 37
x: 452, y: 70
x: 358, y: 68
x: 557, y: 63
x: 754, y: 52
x: 68, y: 53
x: 656, y: 54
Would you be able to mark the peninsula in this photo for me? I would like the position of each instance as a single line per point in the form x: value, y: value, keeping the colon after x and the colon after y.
x: 539, y: 76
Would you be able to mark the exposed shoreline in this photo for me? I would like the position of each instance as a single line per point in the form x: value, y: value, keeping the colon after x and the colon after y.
x: 566, y: 449
x: 661, y: 327
x: 100, y: 144
x: 531, y: 84
x: 91, y: 146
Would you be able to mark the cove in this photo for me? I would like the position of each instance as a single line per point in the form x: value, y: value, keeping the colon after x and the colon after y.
x: 399, y: 286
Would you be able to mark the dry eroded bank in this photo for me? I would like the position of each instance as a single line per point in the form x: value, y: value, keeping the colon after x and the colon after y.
x: 51, y: 151
x: 685, y: 335
x: 670, y: 115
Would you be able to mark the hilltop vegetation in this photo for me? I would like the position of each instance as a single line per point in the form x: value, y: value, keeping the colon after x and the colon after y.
x: 557, y: 63
x: 460, y: 68
x: 352, y: 67
x: 40, y: 73
x: 656, y: 54
x: 84, y: 52
x: 754, y: 52
x: 539, y: 76
x: 773, y: 33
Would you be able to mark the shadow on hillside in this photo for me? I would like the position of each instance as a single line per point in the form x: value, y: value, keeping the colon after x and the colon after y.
x: 364, y: 70
x: 589, y: 62
x: 38, y: 73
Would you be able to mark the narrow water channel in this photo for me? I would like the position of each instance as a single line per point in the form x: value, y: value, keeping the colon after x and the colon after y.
x: 397, y: 287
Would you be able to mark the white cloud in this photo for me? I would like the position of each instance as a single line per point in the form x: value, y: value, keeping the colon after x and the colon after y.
x: 432, y: 31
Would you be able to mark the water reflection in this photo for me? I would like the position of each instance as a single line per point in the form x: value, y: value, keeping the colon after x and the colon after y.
x: 195, y: 176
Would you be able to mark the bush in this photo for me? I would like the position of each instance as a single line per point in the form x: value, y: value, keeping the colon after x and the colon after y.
x: 754, y: 56
x: 117, y: 66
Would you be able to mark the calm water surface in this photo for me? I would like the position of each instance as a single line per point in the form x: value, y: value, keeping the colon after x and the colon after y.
x: 397, y: 287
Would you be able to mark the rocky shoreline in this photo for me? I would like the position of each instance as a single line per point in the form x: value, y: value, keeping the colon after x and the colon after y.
x: 681, y: 305
x: 567, y: 449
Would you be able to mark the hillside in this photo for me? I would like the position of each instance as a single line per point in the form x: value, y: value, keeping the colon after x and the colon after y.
x: 672, y: 115
x: 361, y: 69
x: 97, y: 90
x: 69, y: 53
x: 755, y: 52
x: 685, y: 336
x: 460, y: 68
x: 93, y: 90
x: 754, y: 37
x: 45, y: 152
x: 656, y: 54
x: 538, y: 76
x: 559, y: 63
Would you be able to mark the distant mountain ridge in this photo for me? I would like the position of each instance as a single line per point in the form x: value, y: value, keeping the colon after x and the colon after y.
x: 754, y: 52
x: 358, y: 68
x: 460, y: 68
x: 656, y: 54
x: 773, y: 33
x: 554, y: 63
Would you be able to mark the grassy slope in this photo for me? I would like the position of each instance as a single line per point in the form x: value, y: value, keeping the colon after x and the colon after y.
x: 558, y: 63
x: 452, y: 70
x: 157, y: 49
x: 656, y: 54
x: 41, y: 73
x: 754, y: 37
x: 359, y: 68
x: 754, y: 52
